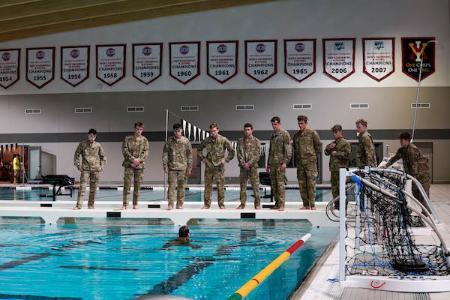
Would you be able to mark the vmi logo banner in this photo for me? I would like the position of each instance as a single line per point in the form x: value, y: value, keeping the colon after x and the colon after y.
x: 416, y: 50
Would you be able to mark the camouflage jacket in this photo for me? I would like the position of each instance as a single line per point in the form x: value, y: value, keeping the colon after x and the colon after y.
x: 249, y: 151
x: 280, y: 150
x: 414, y: 163
x: 365, y: 155
x: 134, y: 149
x: 213, y: 150
x: 89, y: 156
x: 341, y: 157
x: 306, y: 147
x: 177, y: 154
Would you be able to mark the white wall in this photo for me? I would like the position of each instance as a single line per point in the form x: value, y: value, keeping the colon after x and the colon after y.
x: 280, y: 19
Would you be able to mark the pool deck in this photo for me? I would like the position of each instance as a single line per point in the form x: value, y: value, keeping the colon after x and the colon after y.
x: 322, y: 283
x: 51, y: 211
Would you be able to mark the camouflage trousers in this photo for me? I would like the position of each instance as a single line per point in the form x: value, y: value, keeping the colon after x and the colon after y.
x: 138, y: 176
x: 217, y: 175
x: 244, y: 176
x: 92, y: 178
x: 177, y: 181
x: 335, y: 186
x: 277, y: 181
x: 426, y: 183
x: 306, y: 175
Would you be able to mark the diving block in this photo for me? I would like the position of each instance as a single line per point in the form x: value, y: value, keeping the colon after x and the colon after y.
x: 178, y: 216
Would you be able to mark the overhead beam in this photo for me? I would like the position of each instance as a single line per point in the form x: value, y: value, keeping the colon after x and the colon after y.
x: 83, y: 18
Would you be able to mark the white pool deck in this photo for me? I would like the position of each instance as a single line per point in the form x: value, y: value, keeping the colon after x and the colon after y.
x: 322, y: 283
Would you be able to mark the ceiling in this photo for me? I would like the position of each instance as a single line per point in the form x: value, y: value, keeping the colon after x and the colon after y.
x: 28, y: 18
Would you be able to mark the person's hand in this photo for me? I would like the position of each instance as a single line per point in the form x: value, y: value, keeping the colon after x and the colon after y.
x: 283, y: 167
x: 246, y: 166
x: 222, y: 161
x: 333, y: 153
x: 268, y: 169
x: 166, y: 171
x: 188, y: 172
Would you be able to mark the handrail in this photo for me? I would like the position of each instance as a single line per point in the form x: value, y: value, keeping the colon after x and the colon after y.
x: 264, y: 273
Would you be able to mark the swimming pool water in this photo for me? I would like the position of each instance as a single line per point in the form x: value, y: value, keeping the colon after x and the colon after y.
x: 150, y: 195
x: 124, y: 259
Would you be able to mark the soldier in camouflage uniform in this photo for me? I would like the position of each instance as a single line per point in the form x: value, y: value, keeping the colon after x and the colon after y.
x: 248, y: 154
x: 306, y: 151
x: 135, y: 151
x: 414, y: 164
x: 280, y: 153
x: 339, y: 151
x: 365, y: 155
x: 177, y: 163
x: 89, y: 159
x: 212, y: 153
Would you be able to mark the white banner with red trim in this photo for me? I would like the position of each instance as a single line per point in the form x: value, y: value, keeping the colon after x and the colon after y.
x: 261, y: 59
x: 75, y: 64
x: 378, y: 57
x: 110, y: 63
x: 40, y: 64
x: 9, y: 67
x: 184, y: 61
x: 300, y: 58
x: 147, y: 62
x: 222, y: 59
x: 339, y: 58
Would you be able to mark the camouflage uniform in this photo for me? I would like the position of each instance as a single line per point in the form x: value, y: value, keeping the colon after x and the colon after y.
x: 416, y: 165
x: 306, y: 150
x: 213, y: 150
x: 248, y: 151
x: 280, y: 152
x: 92, y: 161
x: 366, y: 151
x: 177, y: 160
x: 133, y: 148
x: 340, y: 159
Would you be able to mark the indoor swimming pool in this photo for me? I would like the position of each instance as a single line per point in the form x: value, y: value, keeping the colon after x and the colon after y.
x: 128, y: 259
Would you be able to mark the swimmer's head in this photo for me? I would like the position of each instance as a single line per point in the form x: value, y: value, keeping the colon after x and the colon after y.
x: 183, y: 231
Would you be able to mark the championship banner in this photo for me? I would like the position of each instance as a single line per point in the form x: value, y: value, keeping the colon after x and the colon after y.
x: 300, y: 58
x: 261, y: 59
x: 40, y: 64
x: 75, y: 64
x: 415, y: 50
x: 110, y: 63
x: 378, y: 57
x: 339, y: 58
x: 184, y: 61
x: 9, y: 67
x: 222, y: 59
x: 147, y: 62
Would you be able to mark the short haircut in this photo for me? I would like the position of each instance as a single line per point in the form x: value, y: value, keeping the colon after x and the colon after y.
x: 138, y: 124
x: 336, y: 128
x: 302, y: 118
x: 177, y: 126
x: 248, y: 125
x: 405, y: 136
x: 362, y: 122
x: 275, y: 119
x: 183, y: 231
x: 92, y: 131
x: 213, y: 125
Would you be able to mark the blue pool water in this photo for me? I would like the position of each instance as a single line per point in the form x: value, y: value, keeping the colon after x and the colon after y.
x: 150, y: 195
x: 124, y: 259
